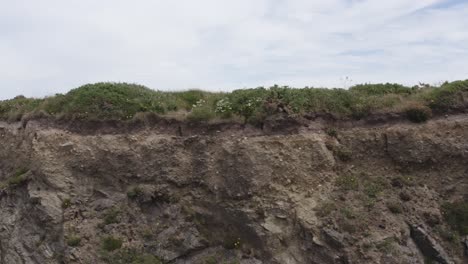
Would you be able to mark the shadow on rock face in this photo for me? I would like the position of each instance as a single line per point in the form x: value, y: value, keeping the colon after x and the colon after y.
x: 230, y: 228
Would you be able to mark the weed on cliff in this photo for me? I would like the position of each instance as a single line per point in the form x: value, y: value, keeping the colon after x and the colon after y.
x: 348, y: 182
x: 456, y: 215
x: 18, y: 178
x: 111, y: 243
x: 129, y: 256
x: 73, y: 241
x: 111, y: 217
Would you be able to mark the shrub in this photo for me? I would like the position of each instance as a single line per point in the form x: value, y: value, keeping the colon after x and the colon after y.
x: 73, y: 241
x: 134, y: 192
x: 111, y: 243
x: 325, y: 209
x: 111, y: 217
x: 456, y: 215
x: 331, y: 132
x: 395, y: 208
x: 348, y: 182
x: 343, y: 153
x: 66, y: 203
x: 418, y: 113
x: 19, y: 178
x: 130, y: 256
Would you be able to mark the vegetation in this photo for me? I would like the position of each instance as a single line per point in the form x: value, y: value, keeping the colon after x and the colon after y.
x: 122, y: 101
x: 66, y: 203
x: 112, y: 217
x: 134, y: 192
x: 111, y: 243
x: 17, y: 179
x: 456, y: 215
x: 130, y: 256
x: 73, y: 241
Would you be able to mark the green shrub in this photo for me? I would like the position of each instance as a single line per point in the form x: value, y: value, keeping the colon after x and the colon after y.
x: 418, y: 113
x: 332, y: 132
x: 325, y: 209
x: 66, y: 203
x: 122, y: 101
x: 111, y: 217
x: 348, y: 182
x: 130, y: 256
x: 395, y: 208
x: 456, y: 215
x: 372, y: 189
x: 73, y: 241
x: 111, y: 243
x: 19, y: 178
x: 134, y: 192
x: 343, y: 153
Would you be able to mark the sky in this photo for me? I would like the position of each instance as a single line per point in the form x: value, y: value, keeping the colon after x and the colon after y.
x: 52, y: 46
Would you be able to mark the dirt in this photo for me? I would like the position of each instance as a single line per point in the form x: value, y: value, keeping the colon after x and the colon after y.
x: 292, y: 191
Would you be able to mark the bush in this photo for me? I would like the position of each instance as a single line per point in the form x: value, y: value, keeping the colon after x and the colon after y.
x: 73, y: 241
x: 122, y: 101
x: 112, y: 217
x: 418, y: 113
x: 111, y: 243
x: 325, y: 209
x: 395, y: 208
x: 19, y: 178
x: 456, y: 215
x: 130, y: 256
x: 134, y: 192
x: 66, y: 203
x: 348, y: 182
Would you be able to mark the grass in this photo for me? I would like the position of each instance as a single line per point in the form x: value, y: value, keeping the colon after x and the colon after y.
x: 123, y: 101
x: 456, y: 215
x: 73, y: 241
x: 111, y: 243
x: 111, y: 217
x: 130, y: 256
x: 18, y: 178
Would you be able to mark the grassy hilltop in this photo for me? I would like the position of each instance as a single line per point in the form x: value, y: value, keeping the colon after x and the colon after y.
x: 122, y: 101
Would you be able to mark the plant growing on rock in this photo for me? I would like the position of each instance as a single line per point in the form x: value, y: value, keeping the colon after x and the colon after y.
x: 111, y: 243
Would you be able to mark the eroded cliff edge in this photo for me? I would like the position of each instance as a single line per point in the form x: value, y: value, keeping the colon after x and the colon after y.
x: 318, y: 194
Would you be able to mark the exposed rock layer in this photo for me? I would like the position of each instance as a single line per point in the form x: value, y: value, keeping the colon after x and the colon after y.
x: 234, y: 195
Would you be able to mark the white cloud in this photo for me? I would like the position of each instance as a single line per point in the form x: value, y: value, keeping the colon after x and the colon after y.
x: 52, y: 46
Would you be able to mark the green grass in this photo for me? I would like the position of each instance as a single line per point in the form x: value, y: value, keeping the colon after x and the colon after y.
x: 123, y: 101
x: 129, y: 256
x: 18, y: 178
x: 73, y: 241
x: 456, y: 215
x: 111, y: 243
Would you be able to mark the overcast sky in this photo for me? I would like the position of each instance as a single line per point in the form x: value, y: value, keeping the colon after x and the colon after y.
x: 52, y: 46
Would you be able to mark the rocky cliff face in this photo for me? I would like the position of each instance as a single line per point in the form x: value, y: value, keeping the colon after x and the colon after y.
x: 319, y: 194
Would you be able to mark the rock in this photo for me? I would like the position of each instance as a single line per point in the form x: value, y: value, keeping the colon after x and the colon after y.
x: 333, y: 238
x: 428, y: 245
x: 465, y: 245
x: 103, y: 204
